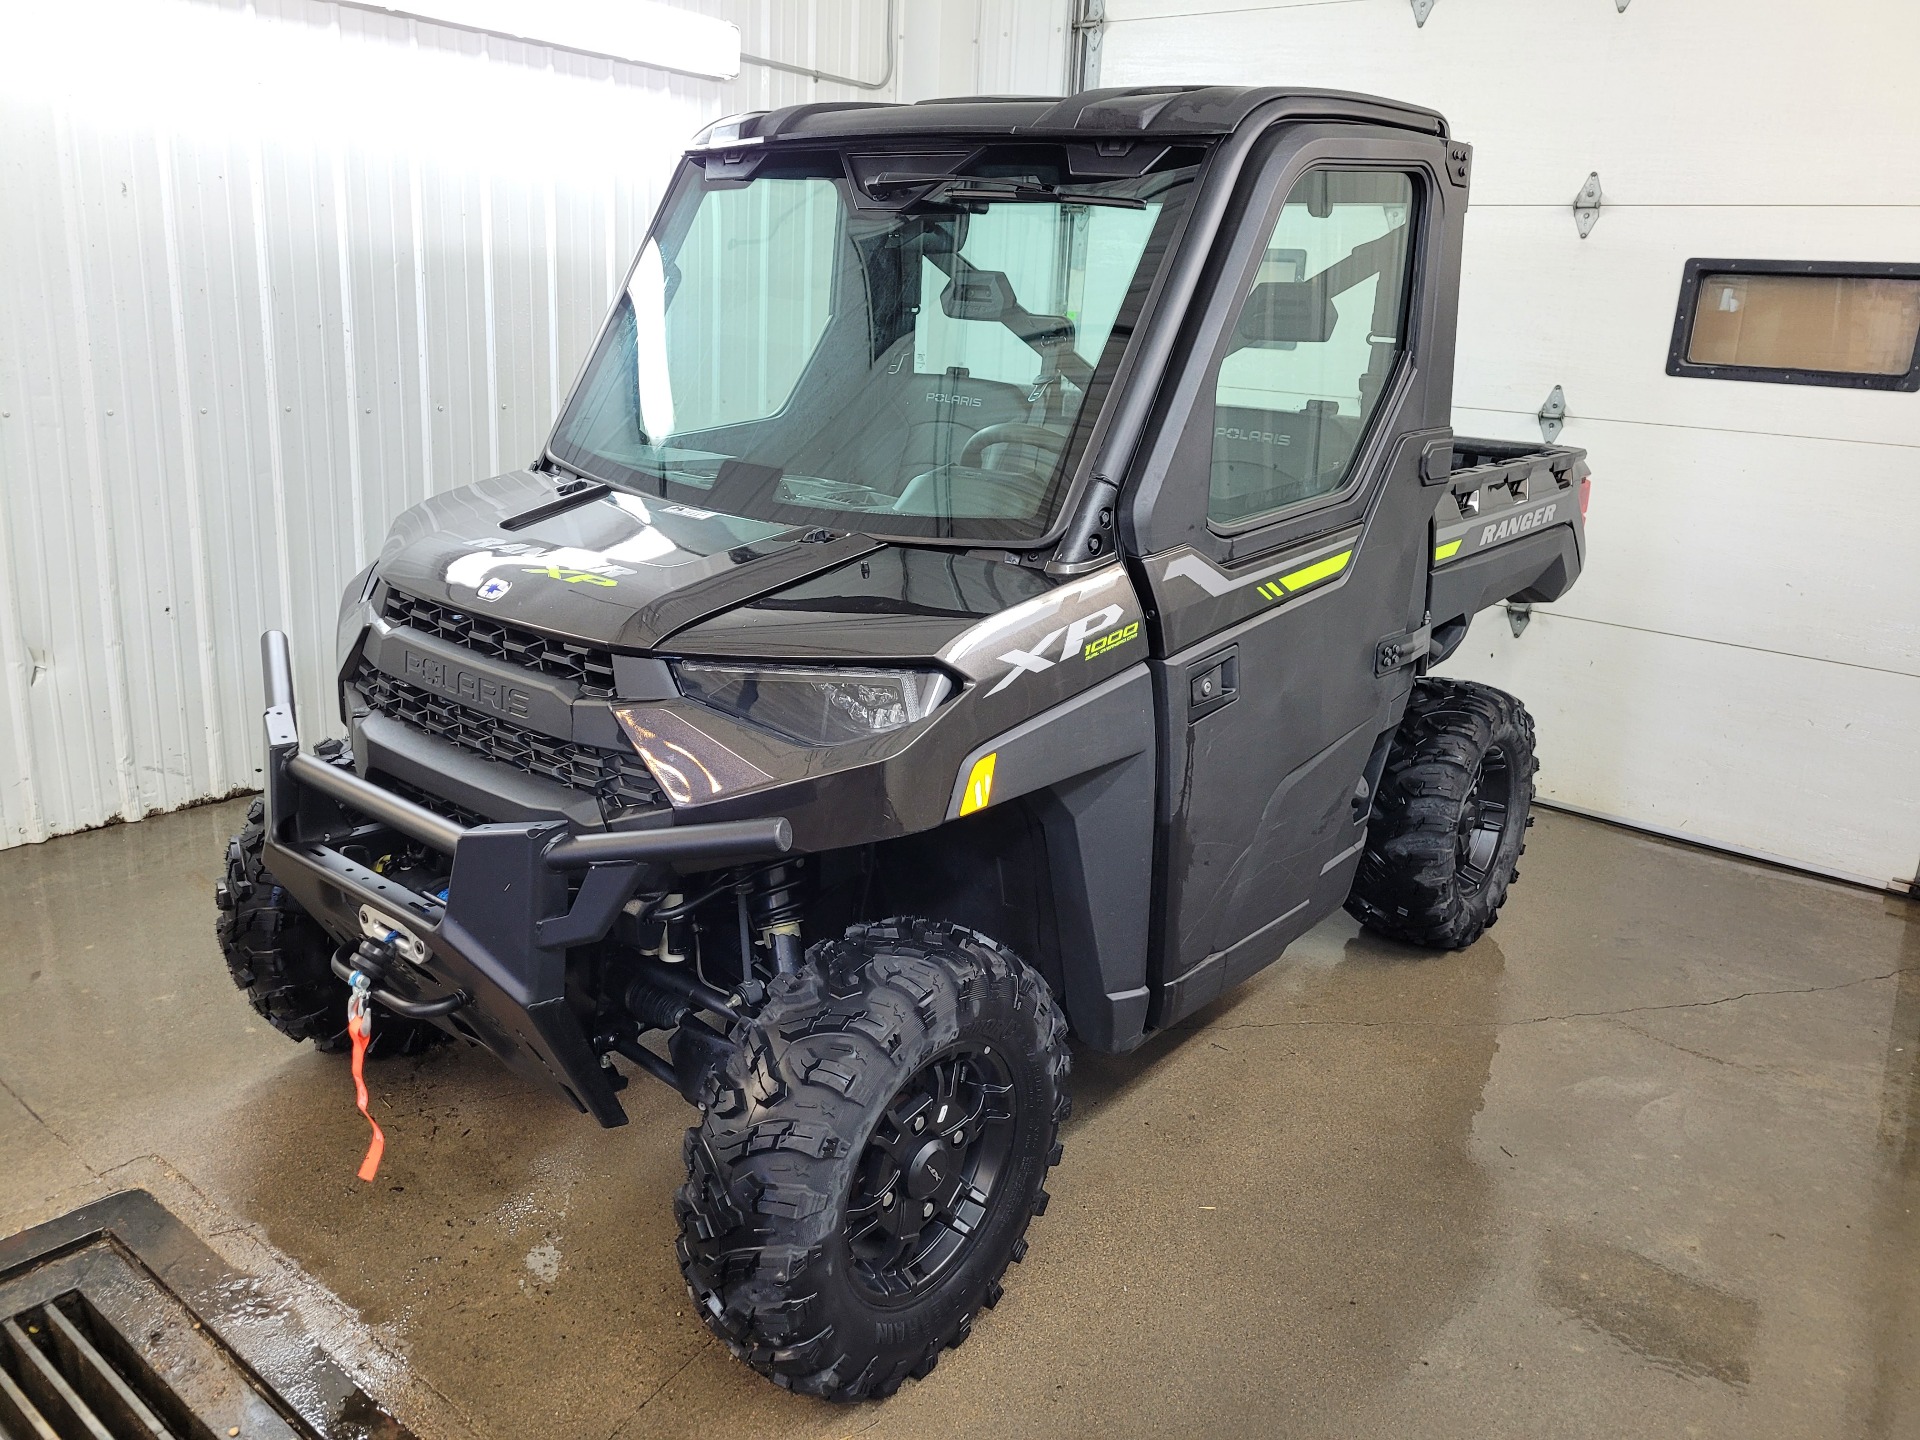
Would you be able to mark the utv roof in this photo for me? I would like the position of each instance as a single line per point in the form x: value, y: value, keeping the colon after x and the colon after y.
x: 1197, y: 111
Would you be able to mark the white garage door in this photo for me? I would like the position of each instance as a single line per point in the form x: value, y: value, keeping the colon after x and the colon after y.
x: 1741, y: 662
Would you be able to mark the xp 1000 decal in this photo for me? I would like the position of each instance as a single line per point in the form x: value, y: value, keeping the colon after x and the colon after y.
x: 1075, y: 634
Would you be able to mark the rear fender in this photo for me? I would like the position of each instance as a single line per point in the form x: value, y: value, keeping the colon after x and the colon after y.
x: 1538, y: 567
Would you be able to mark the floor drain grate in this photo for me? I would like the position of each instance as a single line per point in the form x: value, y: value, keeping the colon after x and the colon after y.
x: 117, y: 1323
x: 56, y: 1378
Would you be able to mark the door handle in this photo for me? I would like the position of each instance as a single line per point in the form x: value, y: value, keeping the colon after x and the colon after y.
x: 1213, y: 681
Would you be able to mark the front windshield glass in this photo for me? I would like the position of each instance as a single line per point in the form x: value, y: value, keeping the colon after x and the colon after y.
x: 910, y: 356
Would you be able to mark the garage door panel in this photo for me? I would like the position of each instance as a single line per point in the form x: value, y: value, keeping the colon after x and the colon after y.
x: 1747, y: 539
x: 1541, y: 307
x: 1717, y: 69
x: 1761, y: 752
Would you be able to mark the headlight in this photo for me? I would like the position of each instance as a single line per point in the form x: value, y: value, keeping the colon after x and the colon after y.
x: 815, y: 706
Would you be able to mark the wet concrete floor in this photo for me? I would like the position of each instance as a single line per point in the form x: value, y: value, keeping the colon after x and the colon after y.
x: 1645, y: 1161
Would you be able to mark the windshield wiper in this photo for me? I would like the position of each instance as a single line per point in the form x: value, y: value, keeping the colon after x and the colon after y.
x: 576, y: 491
x: 959, y: 193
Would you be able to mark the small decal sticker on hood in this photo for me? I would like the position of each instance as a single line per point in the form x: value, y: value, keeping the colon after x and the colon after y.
x: 493, y: 587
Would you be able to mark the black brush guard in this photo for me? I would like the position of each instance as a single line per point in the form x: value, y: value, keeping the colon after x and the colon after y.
x: 495, y: 948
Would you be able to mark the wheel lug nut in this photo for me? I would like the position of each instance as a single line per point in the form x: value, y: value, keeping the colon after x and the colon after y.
x: 926, y: 1211
x: 959, y: 1137
x: 886, y: 1201
x: 919, y: 1123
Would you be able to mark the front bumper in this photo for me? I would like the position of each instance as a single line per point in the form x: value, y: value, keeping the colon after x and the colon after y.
x: 490, y: 963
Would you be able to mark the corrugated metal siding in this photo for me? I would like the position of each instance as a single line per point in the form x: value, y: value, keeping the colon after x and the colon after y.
x: 268, y: 275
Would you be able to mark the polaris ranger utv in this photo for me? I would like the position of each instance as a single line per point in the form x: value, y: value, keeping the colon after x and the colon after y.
x: 979, y: 590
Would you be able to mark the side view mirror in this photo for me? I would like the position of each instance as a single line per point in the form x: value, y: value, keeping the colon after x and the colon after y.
x: 1286, y: 312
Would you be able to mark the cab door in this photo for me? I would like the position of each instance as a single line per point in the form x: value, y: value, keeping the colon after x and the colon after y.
x: 1283, y: 529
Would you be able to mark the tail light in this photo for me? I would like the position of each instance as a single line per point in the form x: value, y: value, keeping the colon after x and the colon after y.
x: 1586, y: 488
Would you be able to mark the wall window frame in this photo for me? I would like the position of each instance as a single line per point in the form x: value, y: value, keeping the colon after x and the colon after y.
x: 1697, y: 270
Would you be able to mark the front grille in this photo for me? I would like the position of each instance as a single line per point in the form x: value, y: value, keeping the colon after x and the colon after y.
x: 591, y: 666
x: 618, y: 779
x: 445, y: 809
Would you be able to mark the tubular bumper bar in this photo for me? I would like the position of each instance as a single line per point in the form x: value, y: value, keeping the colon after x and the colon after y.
x: 497, y: 934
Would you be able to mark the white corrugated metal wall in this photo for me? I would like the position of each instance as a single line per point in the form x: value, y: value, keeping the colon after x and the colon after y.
x: 272, y: 272
x: 1741, y: 662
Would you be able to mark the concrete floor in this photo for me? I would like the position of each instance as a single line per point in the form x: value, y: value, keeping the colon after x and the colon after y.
x: 1645, y: 1161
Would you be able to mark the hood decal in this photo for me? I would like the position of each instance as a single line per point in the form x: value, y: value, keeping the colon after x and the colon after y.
x: 557, y: 563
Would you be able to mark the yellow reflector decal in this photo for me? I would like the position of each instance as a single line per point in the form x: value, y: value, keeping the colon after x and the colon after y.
x: 1330, y: 566
x: 979, y: 785
x: 1446, y: 551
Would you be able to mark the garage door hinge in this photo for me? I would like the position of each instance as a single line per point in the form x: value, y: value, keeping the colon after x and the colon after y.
x: 1396, y: 652
x: 1586, y: 205
x: 1553, y: 415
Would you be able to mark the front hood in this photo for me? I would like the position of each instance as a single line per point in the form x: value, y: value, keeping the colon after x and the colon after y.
x: 629, y: 571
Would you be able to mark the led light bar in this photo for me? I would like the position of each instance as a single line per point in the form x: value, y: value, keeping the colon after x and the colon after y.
x: 642, y: 31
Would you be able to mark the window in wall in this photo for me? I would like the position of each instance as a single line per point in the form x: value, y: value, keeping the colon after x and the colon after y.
x: 1317, y: 337
x: 1799, y: 323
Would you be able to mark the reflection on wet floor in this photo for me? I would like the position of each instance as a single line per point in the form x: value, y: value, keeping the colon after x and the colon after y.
x: 1643, y: 1160
x: 1670, y: 1318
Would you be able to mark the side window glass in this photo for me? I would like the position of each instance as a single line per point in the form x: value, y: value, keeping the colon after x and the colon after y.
x: 1315, y: 341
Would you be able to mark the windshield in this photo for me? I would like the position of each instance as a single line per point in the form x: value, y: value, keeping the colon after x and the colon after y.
x: 912, y: 355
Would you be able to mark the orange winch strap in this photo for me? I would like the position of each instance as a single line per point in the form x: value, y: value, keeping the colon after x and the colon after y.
x: 360, y: 1028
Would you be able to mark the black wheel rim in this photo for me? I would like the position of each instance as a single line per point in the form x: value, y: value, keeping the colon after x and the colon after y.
x: 1483, y: 820
x: 930, y: 1173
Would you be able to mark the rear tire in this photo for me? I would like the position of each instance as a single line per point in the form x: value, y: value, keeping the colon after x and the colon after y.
x: 281, y: 958
x: 870, y: 1157
x: 1449, y: 823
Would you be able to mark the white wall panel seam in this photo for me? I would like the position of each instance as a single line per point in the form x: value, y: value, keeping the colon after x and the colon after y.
x: 552, y: 252
x: 166, y: 759
x: 1736, y: 645
x: 1572, y: 439
x: 106, y: 591
x: 490, y: 303
x: 270, y: 379
x: 16, y: 661
x: 416, y: 234
x: 200, y: 577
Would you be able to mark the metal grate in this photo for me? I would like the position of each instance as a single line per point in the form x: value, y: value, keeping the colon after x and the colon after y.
x: 64, y: 1371
x: 589, y: 665
x: 117, y: 1323
x: 618, y: 779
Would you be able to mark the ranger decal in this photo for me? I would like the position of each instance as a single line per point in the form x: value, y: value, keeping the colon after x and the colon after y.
x: 1516, y: 525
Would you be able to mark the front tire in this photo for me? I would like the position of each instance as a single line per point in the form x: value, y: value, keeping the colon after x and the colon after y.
x: 870, y: 1157
x: 1450, y: 821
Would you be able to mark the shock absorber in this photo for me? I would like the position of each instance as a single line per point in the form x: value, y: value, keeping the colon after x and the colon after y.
x: 774, y: 898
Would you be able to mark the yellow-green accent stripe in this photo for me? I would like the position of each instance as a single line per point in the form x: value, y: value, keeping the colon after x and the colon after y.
x: 1322, y: 570
x: 1446, y: 551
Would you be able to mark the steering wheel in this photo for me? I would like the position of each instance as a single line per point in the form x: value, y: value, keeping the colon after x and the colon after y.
x: 1012, y: 432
